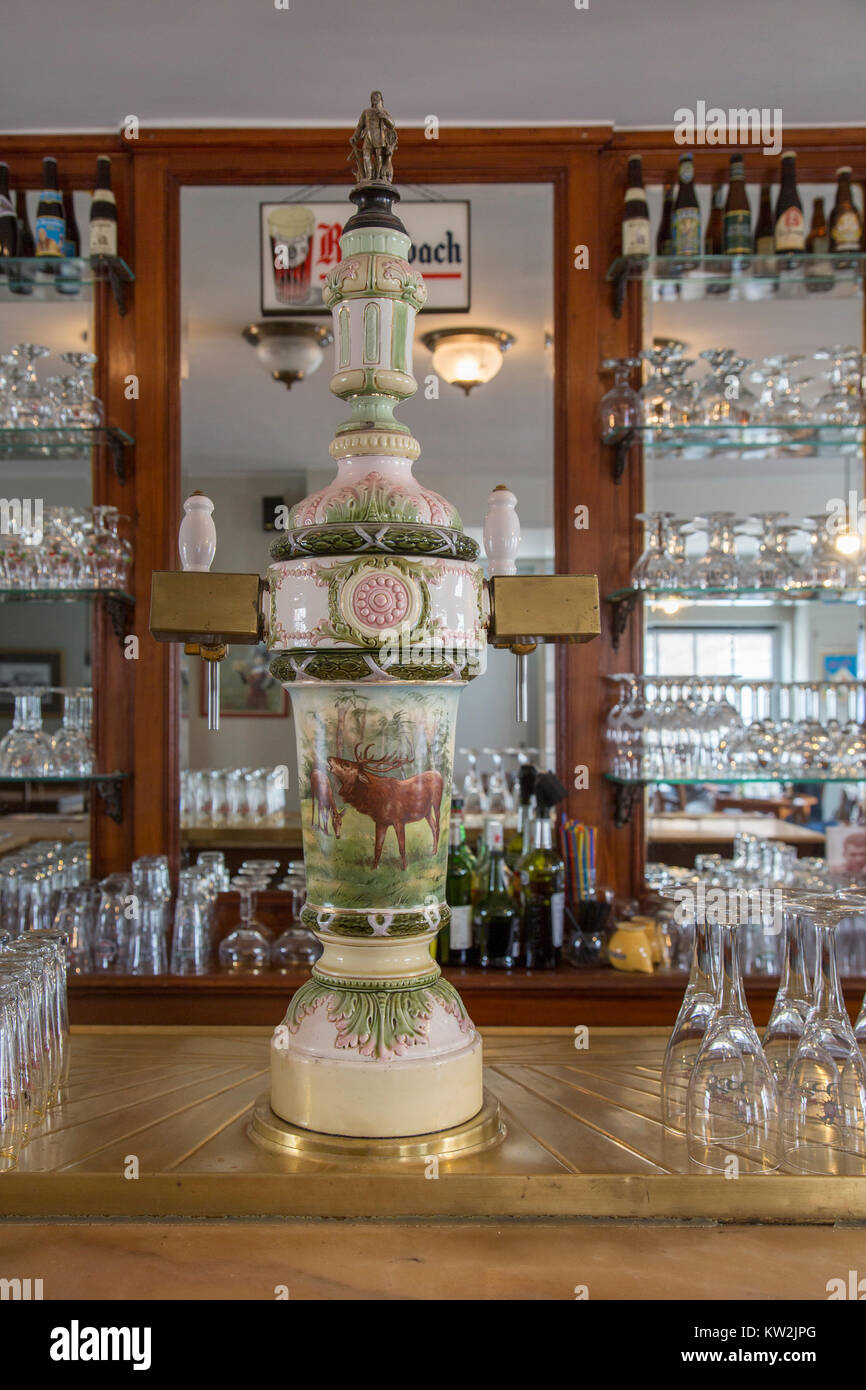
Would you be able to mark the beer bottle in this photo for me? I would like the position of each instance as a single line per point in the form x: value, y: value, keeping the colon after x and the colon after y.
x: 496, y: 921
x: 687, y: 213
x: 765, y: 242
x: 542, y: 874
x: 714, y: 235
x: 790, y: 225
x: 103, y: 212
x: 665, y: 236
x: 455, y: 941
x: 635, y: 214
x: 846, y: 226
x: 8, y: 220
x: 50, y: 223
x: 23, y: 282
x: 738, y: 214
x: 68, y: 278
x: 72, y: 242
x: 818, y: 240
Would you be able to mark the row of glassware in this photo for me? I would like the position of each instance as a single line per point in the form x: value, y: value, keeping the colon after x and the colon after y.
x: 692, y: 727
x: 224, y: 796
x: 493, y: 791
x: 751, y: 554
x: 60, y: 404
x: 34, y: 1036
x: 797, y: 1098
x: 758, y: 861
x: 65, y: 548
x: 669, y: 404
x: 28, y: 750
x: 135, y: 924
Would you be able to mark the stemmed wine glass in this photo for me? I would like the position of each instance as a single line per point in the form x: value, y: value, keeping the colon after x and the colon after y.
x: 245, y: 949
x: 792, y: 1003
x: 696, y: 1008
x: 619, y: 407
x: 824, y: 1102
x: 732, y: 1104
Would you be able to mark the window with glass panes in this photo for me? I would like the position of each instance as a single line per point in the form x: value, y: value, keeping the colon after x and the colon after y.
x: 751, y: 652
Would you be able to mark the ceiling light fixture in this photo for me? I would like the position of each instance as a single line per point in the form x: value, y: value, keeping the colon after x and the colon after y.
x: 289, y: 350
x: 467, y: 357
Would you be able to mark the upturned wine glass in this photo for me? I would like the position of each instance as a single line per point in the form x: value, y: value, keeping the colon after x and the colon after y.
x: 696, y: 1008
x: 792, y: 1003
x: 732, y: 1104
x: 245, y: 950
x: 619, y: 408
x: 824, y: 1102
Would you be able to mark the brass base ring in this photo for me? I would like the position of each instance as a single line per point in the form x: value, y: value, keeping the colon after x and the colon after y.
x: 482, y: 1131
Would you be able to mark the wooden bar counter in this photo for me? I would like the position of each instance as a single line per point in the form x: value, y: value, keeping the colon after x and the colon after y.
x: 145, y: 1184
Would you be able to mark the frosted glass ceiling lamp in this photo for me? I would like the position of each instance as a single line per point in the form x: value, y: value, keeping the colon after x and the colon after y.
x: 289, y: 350
x: 467, y: 357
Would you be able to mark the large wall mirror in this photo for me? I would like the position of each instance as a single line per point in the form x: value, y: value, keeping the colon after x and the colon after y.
x: 248, y: 441
x: 753, y: 653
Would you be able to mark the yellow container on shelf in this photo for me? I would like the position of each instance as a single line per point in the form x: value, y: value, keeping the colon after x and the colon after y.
x: 629, y: 947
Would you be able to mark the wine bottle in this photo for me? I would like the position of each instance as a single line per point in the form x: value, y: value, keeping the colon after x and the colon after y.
x: 738, y: 214
x: 455, y: 941
x: 687, y: 213
x: 665, y: 236
x: 103, y: 212
x: 542, y: 874
x: 789, y: 223
x: 8, y: 220
x: 846, y: 226
x: 519, y: 842
x: 50, y: 222
x: 23, y: 281
x: 496, y: 921
x: 635, y: 215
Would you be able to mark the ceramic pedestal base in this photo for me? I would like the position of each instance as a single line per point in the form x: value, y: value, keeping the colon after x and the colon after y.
x: 376, y: 1044
x: 375, y: 1099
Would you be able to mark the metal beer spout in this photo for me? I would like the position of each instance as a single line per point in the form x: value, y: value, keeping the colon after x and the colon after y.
x: 205, y: 611
x: 526, y: 609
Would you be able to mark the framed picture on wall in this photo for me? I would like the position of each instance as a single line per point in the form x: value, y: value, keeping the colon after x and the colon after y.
x: 300, y: 243
x: 20, y: 669
x: 840, y: 666
x: 247, y: 688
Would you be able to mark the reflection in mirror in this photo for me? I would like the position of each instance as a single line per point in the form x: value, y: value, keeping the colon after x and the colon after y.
x: 747, y: 669
x: 253, y: 445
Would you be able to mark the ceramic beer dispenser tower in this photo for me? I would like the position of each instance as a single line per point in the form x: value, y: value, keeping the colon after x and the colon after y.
x: 376, y: 614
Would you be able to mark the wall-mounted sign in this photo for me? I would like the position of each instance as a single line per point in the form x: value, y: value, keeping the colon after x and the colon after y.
x: 300, y: 242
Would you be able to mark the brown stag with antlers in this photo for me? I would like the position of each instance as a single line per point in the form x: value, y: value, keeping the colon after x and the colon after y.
x: 389, y: 800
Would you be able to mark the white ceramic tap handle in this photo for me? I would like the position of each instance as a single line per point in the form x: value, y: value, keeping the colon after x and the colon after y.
x: 501, y: 531
x: 196, y: 539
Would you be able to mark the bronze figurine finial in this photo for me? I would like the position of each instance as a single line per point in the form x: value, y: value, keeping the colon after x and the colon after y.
x: 373, y: 144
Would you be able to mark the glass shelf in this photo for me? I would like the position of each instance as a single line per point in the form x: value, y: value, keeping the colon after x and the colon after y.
x: 64, y: 595
x: 783, y: 775
x: 850, y: 596
x: 702, y: 441
x: 107, y: 785
x: 93, y: 777
x: 71, y: 442
x: 24, y: 278
x: 741, y: 278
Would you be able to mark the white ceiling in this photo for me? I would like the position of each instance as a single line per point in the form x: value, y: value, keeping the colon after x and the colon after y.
x: 89, y: 64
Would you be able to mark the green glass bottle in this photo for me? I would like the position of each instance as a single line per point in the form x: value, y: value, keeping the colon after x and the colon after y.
x: 542, y: 876
x: 455, y: 940
x: 496, y: 921
x: 520, y: 840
